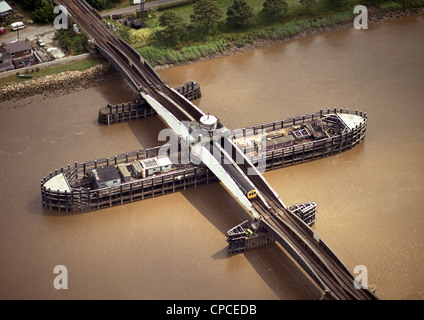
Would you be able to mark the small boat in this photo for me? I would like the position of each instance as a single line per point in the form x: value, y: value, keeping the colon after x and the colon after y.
x: 24, y: 76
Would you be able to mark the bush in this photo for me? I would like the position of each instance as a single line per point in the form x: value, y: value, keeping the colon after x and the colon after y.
x: 272, y: 9
x: 174, y: 28
x: 206, y: 15
x: 240, y: 14
x: 97, y: 4
x: 139, y: 38
x: 308, y: 3
x: 44, y: 14
x: 412, y: 3
x: 75, y: 44
x: 174, y: 4
x: 162, y: 55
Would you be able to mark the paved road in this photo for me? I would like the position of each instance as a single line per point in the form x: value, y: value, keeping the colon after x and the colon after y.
x: 33, y: 31
x: 30, y: 31
x: 136, y: 7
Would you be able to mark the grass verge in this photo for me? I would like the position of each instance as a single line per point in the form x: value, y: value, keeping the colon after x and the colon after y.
x: 74, y: 66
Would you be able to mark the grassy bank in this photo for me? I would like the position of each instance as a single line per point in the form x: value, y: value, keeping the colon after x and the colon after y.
x: 226, y: 40
x: 297, y: 20
x: 74, y: 66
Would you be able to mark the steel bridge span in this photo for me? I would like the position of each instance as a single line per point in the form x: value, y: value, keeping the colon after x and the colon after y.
x: 301, y: 242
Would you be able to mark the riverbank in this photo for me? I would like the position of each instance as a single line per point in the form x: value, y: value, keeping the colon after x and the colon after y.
x: 60, y: 84
x: 68, y: 81
x: 375, y: 15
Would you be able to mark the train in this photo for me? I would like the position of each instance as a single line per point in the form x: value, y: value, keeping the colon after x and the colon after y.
x: 245, y: 186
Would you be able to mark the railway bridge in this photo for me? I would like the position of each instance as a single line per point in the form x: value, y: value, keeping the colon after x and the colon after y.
x: 224, y: 159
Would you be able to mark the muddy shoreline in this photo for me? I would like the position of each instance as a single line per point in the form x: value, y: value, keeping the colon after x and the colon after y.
x: 69, y: 81
x: 59, y: 84
x: 374, y: 15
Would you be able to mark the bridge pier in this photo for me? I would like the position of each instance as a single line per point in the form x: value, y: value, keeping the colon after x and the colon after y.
x: 140, y: 108
x: 246, y: 236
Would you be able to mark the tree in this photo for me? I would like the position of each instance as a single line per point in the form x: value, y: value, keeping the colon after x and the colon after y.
x: 44, y: 14
x: 206, y: 15
x: 274, y: 8
x: 174, y: 27
x: 308, y: 3
x: 339, y: 3
x: 240, y: 14
x: 31, y: 5
x: 41, y: 10
x: 97, y: 4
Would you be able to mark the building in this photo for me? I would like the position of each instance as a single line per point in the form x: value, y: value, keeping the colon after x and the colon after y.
x: 6, y: 62
x: 19, y: 48
x: 22, y: 53
x: 106, y: 177
x: 5, y: 9
x: 42, y: 56
x: 280, y: 142
x: 125, y: 173
x: 151, y: 166
x: 155, y: 165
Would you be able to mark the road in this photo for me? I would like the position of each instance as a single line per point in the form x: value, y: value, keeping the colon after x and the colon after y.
x: 134, y: 8
x: 31, y: 31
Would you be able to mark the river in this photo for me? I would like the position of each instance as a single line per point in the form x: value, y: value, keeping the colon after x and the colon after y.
x: 370, y: 202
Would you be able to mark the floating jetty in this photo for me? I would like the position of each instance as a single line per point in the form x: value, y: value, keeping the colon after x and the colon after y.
x: 133, y: 176
x: 246, y: 236
x: 313, y: 136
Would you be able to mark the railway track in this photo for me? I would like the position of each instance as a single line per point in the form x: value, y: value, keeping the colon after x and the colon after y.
x: 331, y: 273
x: 327, y: 270
x: 144, y: 78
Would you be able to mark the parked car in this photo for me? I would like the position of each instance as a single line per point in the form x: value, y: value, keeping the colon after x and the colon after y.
x: 41, y: 43
x: 17, y: 25
x: 3, y: 30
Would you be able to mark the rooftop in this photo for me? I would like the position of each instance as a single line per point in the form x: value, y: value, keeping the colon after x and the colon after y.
x: 104, y: 174
x: 4, y: 54
x: 18, y: 46
x: 4, y: 7
x: 156, y: 162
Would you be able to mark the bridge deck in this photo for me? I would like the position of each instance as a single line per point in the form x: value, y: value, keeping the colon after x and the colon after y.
x: 312, y: 254
x: 295, y: 236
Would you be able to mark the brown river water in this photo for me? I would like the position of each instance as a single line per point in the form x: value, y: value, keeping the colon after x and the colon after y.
x: 370, y: 198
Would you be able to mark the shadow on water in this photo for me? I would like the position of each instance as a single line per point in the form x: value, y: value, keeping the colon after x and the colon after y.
x: 276, y: 269
x: 214, y: 202
x: 274, y: 266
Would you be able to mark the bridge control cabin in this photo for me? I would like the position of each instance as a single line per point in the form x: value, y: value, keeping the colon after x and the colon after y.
x: 279, y: 142
x: 103, y: 177
x: 150, y: 166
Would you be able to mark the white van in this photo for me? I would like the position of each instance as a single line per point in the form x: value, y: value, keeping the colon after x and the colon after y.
x: 17, y: 25
x: 136, y: 1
